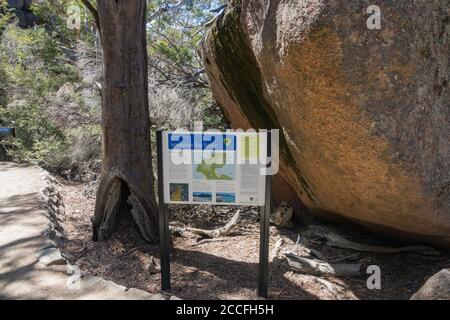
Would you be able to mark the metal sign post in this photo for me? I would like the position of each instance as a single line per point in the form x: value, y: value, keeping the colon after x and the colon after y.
x: 164, y: 235
x: 263, y: 279
x: 163, y: 218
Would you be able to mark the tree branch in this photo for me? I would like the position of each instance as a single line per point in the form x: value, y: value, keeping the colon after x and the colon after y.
x: 93, y: 11
x: 165, y: 8
x: 223, y: 231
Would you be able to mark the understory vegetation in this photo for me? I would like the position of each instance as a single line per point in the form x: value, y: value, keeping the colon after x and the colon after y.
x: 50, y: 83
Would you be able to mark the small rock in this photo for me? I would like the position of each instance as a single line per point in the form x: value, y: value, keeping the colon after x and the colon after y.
x: 74, y: 278
x: 282, y: 216
x: 73, y: 281
x: 71, y: 270
x: 61, y: 210
x: 55, y: 199
x: 50, y: 189
x: 154, y: 266
x: 174, y: 298
x: 437, y: 287
x: 89, y: 281
x: 49, y: 244
x: 157, y: 296
x: 137, y: 294
x: 51, y: 256
x: 49, y: 233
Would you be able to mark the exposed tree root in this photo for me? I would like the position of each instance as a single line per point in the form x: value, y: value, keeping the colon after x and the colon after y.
x: 115, y: 197
x: 142, y: 220
x: 104, y: 223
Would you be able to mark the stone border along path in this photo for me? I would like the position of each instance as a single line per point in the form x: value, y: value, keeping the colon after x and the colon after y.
x: 31, y: 265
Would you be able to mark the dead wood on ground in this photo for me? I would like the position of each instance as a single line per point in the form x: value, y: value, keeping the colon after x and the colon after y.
x: 336, y: 240
x: 316, y: 267
x: 220, y: 232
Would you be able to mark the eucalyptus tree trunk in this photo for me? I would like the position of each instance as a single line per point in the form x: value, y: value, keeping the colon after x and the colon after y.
x: 126, y: 183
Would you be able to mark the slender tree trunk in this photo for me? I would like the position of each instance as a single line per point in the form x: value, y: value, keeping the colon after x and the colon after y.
x: 127, y: 175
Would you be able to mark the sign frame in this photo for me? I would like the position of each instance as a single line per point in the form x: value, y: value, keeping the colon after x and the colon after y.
x: 164, y: 233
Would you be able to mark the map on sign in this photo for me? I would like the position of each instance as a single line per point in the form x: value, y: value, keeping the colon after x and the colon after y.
x: 214, y: 168
x: 211, y: 168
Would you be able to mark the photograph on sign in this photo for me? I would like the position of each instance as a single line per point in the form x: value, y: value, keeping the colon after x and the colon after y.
x: 214, y: 167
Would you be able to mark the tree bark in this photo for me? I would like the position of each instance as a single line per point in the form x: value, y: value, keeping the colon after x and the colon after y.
x: 127, y: 175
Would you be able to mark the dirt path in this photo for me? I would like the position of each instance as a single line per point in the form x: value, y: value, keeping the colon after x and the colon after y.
x: 217, y: 270
x: 228, y: 269
x: 23, y: 222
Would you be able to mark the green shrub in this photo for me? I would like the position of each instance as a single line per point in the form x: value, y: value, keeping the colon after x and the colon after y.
x: 33, y: 60
x: 32, y: 69
x: 38, y: 140
x: 85, y: 144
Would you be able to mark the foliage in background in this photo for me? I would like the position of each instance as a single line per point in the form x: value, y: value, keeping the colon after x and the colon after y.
x: 44, y: 93
x: 5, y: 15
x: 33, y: 67
x: 38, y: 140
x: 179, y: 90
x: 50, y: 79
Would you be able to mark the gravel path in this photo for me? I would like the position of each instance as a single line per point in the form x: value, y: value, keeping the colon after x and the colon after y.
x: 23, y: 225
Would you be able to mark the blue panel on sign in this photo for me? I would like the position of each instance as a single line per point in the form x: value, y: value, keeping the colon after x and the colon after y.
x: 199, y: 141
x: 225, y: 142
x: 180, y: 141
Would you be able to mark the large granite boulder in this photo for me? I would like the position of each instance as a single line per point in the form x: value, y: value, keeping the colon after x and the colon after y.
x: 364, y: 114
x: 437, y: 287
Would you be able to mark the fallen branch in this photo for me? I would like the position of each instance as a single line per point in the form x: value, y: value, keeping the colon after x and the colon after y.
x: 276, y: 249
x: 274, y: 255
x: 177, y: 231
x: 315, y: 267
x: 312, y: 252
x: 223, y: 231
x: 336, y: 240
x: 207, y: 241
x: 130, y: 251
